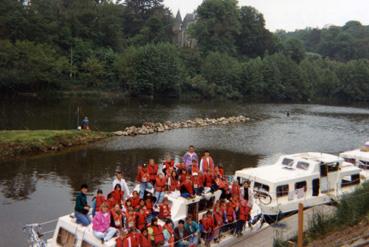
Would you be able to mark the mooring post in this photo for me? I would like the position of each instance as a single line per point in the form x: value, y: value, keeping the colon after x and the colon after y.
x: 300, y: 233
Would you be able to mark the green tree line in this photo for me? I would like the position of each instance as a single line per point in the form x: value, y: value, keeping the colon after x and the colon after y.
x: 131, y: 46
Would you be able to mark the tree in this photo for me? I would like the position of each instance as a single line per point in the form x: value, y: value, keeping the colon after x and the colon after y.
x: 294, y: 49
x: 152, y: 70
x: 217, y: 26
x: 254, y: 39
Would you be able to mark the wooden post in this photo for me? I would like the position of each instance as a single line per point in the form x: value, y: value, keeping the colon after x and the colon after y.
x: 300, y: 233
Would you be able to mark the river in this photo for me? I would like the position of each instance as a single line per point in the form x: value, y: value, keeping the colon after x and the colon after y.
x: 41, y: 188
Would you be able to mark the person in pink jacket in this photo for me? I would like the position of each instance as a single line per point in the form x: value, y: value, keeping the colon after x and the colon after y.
x: 101, y: 224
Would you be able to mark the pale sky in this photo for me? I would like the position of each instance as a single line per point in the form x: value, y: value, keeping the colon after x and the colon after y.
x: 295, y: 14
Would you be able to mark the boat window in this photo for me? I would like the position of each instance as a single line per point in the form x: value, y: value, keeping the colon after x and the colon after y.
x: 323, y: 170
x: 192, y: 210
x: 350, y: 180
x: 302, y: 165
x: 260, y: 186
x: 333, y: 167
x: 364, y: 164
x: 206, y: 204
x: 300, y: 185
x: 65, y: 238
x: 350, y: 160
x: 86, y: 244
x: 287, y: 162
x: 282, y: 190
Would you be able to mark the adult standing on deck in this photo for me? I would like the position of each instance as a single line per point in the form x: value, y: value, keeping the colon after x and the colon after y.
x: 81, y: 208
x: 188, y: 157
x: 120, y: 180
x: 207, y: 163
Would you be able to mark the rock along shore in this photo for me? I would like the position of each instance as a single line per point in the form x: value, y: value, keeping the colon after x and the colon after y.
x: 150, y: 128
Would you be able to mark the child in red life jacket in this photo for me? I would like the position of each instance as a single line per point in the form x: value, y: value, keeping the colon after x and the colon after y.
x: 145, y: 240
x: 244, y: 212
x: 143, y: 177
x: 156, y: 233
x: 152, y: 168
x: 208, y: 179
x: 168, y: 165
x: 194, y: 167
x: 130, y: 218
x: 98, y: 199
x: 117, y: 194
x: 135, y: 237
x: 207, y: 223
x: 110, y: 201
x: 116, y: 217
x: 231, y: 216
x: 135, y: 200
x: 122, y: 240
x: 160, y: 184
x: 182, y: 176
x: 173, y: 183
x: 207, y: 163
x: 235, y: 188
x: 218, y: 222
x: 198, y: 184
x: 141, y: 219
x: 164, y: 209
x: 187, y: 188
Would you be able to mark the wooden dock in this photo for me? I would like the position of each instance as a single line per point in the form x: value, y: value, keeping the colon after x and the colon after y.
x: 284, y: 230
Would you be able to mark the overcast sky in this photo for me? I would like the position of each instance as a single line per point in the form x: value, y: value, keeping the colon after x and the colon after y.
x: 295, y: 14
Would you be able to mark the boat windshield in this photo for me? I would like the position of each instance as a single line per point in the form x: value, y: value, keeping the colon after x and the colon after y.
x: 302, y: 165
x: 261, y: 187
x: 287, y: 162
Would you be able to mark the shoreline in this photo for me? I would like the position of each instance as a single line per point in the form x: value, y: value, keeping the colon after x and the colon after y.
x: 16, y: 144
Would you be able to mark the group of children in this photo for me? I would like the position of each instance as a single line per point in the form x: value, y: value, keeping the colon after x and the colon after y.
x: 134, y: 218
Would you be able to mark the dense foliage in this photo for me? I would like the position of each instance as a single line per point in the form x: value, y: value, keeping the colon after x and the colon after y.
x: 131, y: 46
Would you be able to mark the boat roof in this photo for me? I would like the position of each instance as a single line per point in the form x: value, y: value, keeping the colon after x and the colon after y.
x: 355, y: 154
x: 315, y: 157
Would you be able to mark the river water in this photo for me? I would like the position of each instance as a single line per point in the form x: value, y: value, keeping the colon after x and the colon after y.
x: 42, y: 188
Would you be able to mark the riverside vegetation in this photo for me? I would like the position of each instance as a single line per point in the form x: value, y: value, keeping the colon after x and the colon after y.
x: 130, y: 46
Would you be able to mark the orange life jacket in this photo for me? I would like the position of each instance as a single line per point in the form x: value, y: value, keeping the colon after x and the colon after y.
x: 164, y: 211
x: 208, y: 223
x: 230, y: 214
x: 235, y: 190
x: 118, y: 196
x: 188, y: 186
x: 173, y: 184
x: 160, y: 184
x: 218, y: 217
x: 244, y: 212
x: 141, y: 220
x: 208, y: 177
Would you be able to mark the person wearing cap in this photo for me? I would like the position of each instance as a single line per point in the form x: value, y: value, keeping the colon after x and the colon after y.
x: 188, y: 157
x: 81, y: 208
x: 120, y: 180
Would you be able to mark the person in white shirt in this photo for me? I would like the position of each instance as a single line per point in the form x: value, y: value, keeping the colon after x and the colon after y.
x: 120, y: 180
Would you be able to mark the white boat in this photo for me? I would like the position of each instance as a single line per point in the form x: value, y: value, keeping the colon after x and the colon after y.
x: 358, y: 157
x: 70, y: 234
x: 309, y: 178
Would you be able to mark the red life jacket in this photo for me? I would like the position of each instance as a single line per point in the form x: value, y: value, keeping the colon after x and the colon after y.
x: 173, y: 185
x: 99, y: 201
x: 160, y: 184
x: 118, y: 218
x: 230, y: 214
x: 207, y: 166
x: 188, y: 186
x: 208, y: 223
x: 168, y: 164
x: 182, y: 177
x: 208, y: 179
x: 197, y: 182
x: 221, y: 171
x: 111, y: 202
x: 118, y: 196
x: 141, y: 221
x: 235, y: 190
x: 153, y: 170
x: 218, y: 217
x: 158, y: 234
x: 145, y: 241
x: 143, y: 175
x: 195, y: 168
x: 244, y: 212
x: 169, y: 228
x: 135, y: 201
x: 149, y: 205
x: 131, y: 219
x: 164, y: 211
x: 135, y: 239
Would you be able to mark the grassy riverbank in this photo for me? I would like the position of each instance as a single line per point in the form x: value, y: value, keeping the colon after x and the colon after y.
x: 18, y: 143
x: 347, y: 225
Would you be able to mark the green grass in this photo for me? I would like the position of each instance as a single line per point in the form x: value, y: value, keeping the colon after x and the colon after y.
x: 14, y: 143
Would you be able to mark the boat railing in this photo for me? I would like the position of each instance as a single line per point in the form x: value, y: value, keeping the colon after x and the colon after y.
x: 35, y: 235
